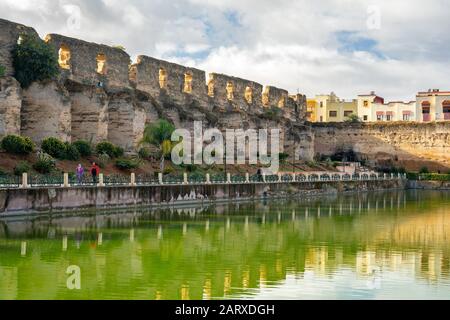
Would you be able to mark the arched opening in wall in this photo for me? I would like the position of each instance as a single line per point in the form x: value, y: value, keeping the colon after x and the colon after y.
x: 230, y: 90
x: 162, y: 78
x: 101, y: 63
x: 446, y: 109
x: 187, y: 83
x: 248, y: 95
x: 265, y: 96
x: 64, y: 57
x: 282, y: 102
x: 211, y: 86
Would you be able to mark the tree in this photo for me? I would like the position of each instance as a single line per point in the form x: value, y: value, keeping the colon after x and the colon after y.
x: 33, y: 60
x: 158, y: 134
x: 353, y: 118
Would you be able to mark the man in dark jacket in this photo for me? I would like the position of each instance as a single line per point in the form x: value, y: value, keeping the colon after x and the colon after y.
x: 95, y: 171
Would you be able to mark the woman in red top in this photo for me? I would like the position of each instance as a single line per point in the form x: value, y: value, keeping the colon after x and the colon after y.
x: 95, y: 171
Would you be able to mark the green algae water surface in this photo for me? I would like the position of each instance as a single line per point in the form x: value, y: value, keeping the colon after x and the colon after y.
x: 393, y: 245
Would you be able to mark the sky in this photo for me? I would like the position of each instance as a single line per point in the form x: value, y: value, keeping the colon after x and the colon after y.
x: 350, y: 47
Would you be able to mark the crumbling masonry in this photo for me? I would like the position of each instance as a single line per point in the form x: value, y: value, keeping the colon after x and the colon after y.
x: 100, y: 95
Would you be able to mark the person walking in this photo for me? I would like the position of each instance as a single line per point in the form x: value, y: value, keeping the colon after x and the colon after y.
x: 95, y: 171
x: 79, y: 172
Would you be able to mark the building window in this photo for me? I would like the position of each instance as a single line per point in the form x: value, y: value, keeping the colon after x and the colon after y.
x: 64, y: 57
x: 348, y: 113
x: 265, y: 96
x: 230, y: 91
x: 187, y: 83
x: 248, y: 95
x: 366, y: 103
x: 446, y: 109
x: 379, y: 117
x: 365, y: 118
x: 321, y: 118
x: 162, y: 78
x: 321, y: 104
x: 101, y: 63
x: 333, y: 114
x: 406, y: 117
x: 388, y: 117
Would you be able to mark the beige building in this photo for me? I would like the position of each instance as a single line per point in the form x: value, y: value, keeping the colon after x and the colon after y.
x: 433, y: 105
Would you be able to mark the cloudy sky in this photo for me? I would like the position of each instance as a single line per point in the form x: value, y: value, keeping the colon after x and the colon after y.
x: 395, y: 47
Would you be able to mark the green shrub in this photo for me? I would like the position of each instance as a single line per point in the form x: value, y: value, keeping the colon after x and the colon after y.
x: 72, y: 152
x: 17, y: 144
x: 110, y: 149
x: 21, y: 167
x: 103, y: 159
x: 283, y: 157
x: 83, y: 147
x: 2, y: 70
x: 127, y: 164
x: 144, y: 153
x: 54, y: 147
x: 424, y: 170
x: 44, y: 164
x: 168, y: 170
x: 33, y: 60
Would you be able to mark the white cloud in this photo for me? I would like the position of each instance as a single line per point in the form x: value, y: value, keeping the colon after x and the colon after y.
x: 290, y: 44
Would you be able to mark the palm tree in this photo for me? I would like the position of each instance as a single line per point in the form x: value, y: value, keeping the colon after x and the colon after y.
x: 158, y: 134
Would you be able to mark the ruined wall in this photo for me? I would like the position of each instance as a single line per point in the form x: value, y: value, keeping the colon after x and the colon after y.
x: 10, y: 105
x: 407, y: 142
x: 89, y: 111
x: 127, y: 120
x: 83, y: 65
x: 99, y: 95
x: 46, y: 111
x: 9, y: 35
x: 230, y: 92
x: 158, y: 77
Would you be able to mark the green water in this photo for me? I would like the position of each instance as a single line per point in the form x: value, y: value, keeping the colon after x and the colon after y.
x: 392, y: 245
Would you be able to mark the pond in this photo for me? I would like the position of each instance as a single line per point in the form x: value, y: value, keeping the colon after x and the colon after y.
x: 382, y: 245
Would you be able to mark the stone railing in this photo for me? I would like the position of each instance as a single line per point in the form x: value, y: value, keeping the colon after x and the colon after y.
x: 65, y: 180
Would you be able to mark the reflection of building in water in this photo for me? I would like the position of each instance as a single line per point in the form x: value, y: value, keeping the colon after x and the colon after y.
x: 185, y: 292
x: 316, y: 259
x: 227, y: 283
x: 8, y: 283
x: 207, y: 290
x: 262, y: 276
x: 365, y: 262
x: 245, y: 278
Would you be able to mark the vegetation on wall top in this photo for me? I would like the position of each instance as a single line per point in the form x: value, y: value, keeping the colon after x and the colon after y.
x: 33, y: 60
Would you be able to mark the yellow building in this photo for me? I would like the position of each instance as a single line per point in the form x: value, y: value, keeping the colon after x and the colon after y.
x: 329, y: 108
x: 311, y: 110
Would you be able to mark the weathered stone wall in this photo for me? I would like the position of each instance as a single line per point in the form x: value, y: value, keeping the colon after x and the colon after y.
x: 9, y: 35
x: 23, y: 201
x: 413, y: 142
x: 46, y: 111
x: 10, y: 105
x: 146, y: 75
x: 89, y: 113
x: 127, y: 120
x: 83, y: 61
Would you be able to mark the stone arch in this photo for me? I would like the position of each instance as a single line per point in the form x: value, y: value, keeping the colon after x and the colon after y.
x: 64, y: 56
x: 230, y: 90
x: 101, y: 63
x: 248, y: 95
x: 282, y: 102
x: 162, y: 76
x: 265, y: 97
x: 187, y: 82
x: 211, y: 86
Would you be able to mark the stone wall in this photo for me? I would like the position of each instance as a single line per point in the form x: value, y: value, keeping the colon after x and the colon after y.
x: 406, y: 143
x: 46, y: 111
x: 26, y: 201
x: 83, y: 63
x: 10, y: 105
x: 9, y: 36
